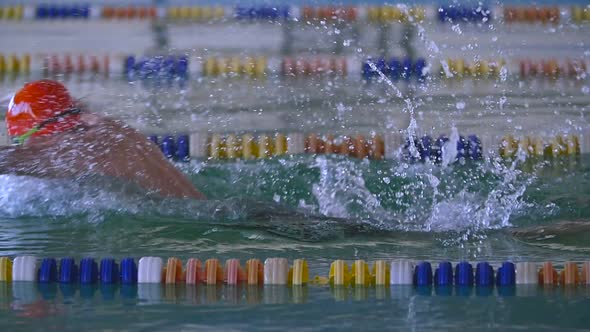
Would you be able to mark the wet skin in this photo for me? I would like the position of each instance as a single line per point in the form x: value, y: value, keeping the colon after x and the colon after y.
x: 99, y: 146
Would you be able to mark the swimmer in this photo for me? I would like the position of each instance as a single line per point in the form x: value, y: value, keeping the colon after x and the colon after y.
x: 60, y: 138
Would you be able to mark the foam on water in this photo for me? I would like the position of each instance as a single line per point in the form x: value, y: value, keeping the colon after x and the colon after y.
x: 457, y: 211
x: 24, y: 196
x: 315, y: 195
x: 341, y: 189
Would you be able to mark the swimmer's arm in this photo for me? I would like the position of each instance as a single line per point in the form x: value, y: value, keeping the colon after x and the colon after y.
x: 107, y: 148
x: 6, y: 159
x: 137, y: 159
x: 13, y: 162
x: 28, y: 161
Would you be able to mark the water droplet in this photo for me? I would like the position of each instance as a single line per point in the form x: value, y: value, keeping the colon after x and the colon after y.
x: 502, y: 102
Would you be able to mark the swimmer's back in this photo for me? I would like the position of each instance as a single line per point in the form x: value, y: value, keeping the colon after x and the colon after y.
x: 60, y: 138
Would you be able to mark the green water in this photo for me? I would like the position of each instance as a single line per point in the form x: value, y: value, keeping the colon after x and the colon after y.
x: 318, y: 208
x: 312, y: 308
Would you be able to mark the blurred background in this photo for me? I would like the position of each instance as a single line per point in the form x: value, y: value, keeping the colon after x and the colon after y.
x: 187, y: 66
x: 480, y: 108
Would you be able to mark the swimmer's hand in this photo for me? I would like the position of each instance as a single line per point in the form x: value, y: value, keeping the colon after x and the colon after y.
x: 100, y: 146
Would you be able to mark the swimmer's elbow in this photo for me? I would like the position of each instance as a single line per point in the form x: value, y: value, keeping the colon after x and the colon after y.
x: 198, y: 195
x: 14, y: 162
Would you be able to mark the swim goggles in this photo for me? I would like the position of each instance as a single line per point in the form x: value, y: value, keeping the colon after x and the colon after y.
x: 71, y: 111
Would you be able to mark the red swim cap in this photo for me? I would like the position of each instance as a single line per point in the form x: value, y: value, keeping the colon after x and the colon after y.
x: 39, y: 101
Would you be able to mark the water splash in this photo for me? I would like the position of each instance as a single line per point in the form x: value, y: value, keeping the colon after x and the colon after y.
x: 409, y: 108
x: 341, y: 196
x: 449, y: 149
x: 24, y: 196
x: 341, y: 192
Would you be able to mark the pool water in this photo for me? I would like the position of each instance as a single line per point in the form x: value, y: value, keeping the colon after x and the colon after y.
x: 320, y: 208
x: 316, y: 207
x: 316, y: 309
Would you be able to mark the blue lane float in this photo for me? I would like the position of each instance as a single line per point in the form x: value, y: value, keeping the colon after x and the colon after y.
x: 128, y: 271
x: 262, y: 13
x: 48, y: 271
x: 168, y: 147
x: 422, y: 149
x: 395, y: 69
x: 506, y: 275
x: 407, y: 69
x: 443, y: 276
x: 423, y: 274
x: 68, y: 271
x: 484, y: 274
x: 45, y: 11
x: 53, y: 12
x: 420, y: 68
x: 173, y: 147
x: 154, y: 139
x: 109, y: 271
x: 464, y: 274
x: 474, y: 149
x: 88, y: 271
x: 182, y: 148
x: 167, y: 67
x: 458, y: 13
x: 425, y: 148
